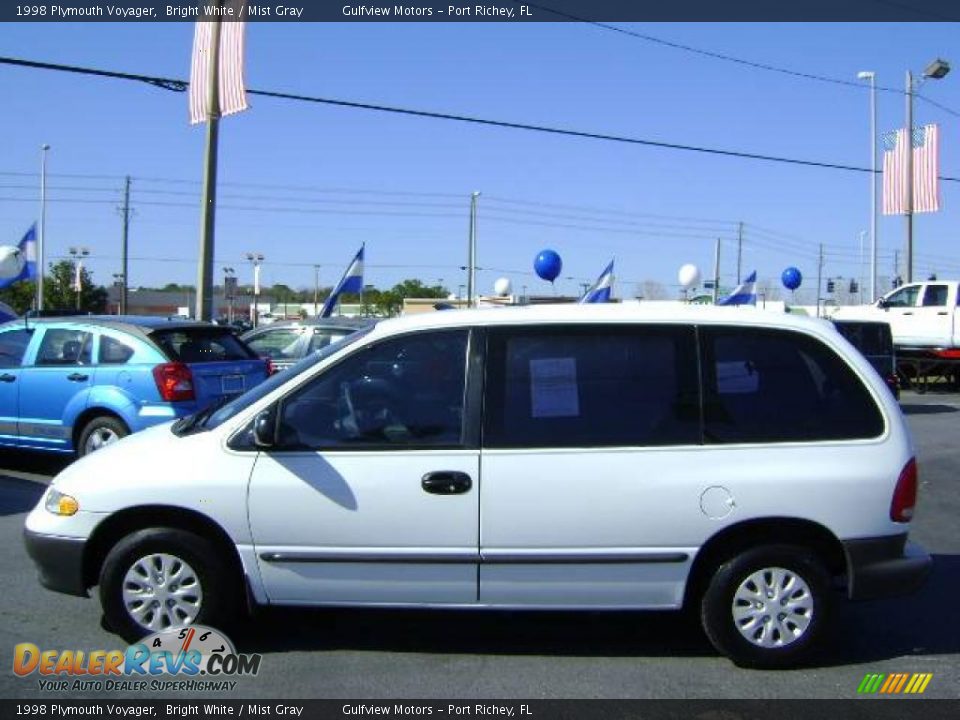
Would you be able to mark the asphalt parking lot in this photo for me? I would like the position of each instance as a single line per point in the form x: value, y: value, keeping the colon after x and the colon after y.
x: 467, y: 655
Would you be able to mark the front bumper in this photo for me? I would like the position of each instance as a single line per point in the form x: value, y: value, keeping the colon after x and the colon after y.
x: 59, y: 561
x: 885, y: 567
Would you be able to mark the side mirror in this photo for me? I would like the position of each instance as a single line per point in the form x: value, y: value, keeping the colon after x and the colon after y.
x: 882, y: 304
x: 265, y: 428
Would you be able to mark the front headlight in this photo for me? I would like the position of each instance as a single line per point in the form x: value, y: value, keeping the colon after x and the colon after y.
x: 60, y: 503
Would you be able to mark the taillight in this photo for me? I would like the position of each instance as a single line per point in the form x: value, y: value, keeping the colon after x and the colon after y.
x: 174, y: 381
x: 271, y: 368
x: 905, y: 493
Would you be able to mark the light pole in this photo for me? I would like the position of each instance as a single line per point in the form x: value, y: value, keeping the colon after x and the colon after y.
x: 936, y: 70
x: 872, y: 77
x: 255, y: 259
x: 43, y: 224
x: 119, y: 285
x: 472, y: 251
x: 229, y: 290
x: 78, y: 253
x: 316, y: 290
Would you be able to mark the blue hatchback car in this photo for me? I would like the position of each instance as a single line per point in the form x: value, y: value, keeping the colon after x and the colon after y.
x: 75, y: 384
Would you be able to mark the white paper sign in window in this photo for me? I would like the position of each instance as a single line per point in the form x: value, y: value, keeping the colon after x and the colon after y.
x: 553, y: 388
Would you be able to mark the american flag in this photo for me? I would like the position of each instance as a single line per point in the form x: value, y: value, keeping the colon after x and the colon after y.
x: 926, y: 169
x: 233, y: 98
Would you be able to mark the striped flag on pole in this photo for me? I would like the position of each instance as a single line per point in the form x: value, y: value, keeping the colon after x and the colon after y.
x: 233, y: 97
x: 600, y: 292
x: 351, y: 282
x: 744, y: 294
x: 926, y: 170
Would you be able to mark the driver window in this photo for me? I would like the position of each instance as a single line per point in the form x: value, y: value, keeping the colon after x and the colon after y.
x: 904, y: 297
x: 404, y: 392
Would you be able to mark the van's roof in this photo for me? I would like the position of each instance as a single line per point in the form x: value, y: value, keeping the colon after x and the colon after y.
x: 602, y: 313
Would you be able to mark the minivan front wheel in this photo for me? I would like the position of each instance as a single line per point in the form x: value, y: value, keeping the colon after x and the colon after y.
x: 162, y: 578
x: 768, y: 607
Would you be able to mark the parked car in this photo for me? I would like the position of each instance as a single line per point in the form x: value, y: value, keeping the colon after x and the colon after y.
x: 746, y: 465
x: 285, y: 342
x: 75, y: 384
x: 875, y: 341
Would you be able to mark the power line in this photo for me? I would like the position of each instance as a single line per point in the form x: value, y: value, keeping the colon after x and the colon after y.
x: 166, y: 83
x: 766, y: 67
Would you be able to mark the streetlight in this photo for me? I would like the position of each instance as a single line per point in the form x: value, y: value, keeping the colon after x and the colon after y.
x: 872, y: 77
x: 78, y: 253
x: 937, y: 70
x: 118, y: 283
x: 255, y: 259
x: 316, y: 289
x: 229, y: 290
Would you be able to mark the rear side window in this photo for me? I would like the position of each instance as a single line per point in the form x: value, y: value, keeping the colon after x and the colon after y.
x: 13, y: 345
x: 113, y: 352
x: 935, y: 296
x: 327, y: 336
x: 869, y: 338
x: 61, y: 346
x: 778, y: 386
x: 590, y: 386
x: 200, y: 345
x: 278, y: 344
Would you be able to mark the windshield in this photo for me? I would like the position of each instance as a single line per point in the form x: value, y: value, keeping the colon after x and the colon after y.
x: 274, y: 381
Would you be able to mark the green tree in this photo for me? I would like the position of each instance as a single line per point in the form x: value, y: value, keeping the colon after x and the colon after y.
x: 20, y: 296
x: 390, y: 302
x: 59, y: 292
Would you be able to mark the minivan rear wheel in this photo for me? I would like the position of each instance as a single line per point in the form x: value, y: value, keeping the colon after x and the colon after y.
x: 162, y: 578
x: 768, y: 607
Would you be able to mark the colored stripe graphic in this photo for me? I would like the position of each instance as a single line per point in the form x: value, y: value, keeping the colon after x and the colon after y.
x: 894, y: 684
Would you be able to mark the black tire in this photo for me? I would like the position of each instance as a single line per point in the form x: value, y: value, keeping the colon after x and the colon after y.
x: 219, y: 597
x: 102, y: 425
x: 789, y: 644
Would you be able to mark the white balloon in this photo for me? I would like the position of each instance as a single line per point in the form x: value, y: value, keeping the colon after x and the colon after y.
x: 502, y: 286
x: 11, y: 262
x: 688, y: 276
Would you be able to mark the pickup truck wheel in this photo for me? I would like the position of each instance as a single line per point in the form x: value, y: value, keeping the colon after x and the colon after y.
x: 768, y: 607
x: 163, y: 578
x: 103, y: 430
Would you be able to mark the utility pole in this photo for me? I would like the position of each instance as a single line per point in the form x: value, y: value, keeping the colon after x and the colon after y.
x: 819, y: 277
x: 739, y: 249
x: 43, y: 224
x: 472, y: 251
x: 124, y: 253
x: 716, y: 272
x: 204, y: 307
x: 316, y: 289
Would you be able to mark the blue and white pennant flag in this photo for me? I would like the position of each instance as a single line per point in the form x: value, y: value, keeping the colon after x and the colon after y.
x: 351, y: 282
x: 26, y: 252
x: 744, y: 294
x: 600, y: 292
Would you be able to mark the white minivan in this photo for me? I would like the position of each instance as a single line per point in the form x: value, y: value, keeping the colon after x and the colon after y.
x: 747, y: 465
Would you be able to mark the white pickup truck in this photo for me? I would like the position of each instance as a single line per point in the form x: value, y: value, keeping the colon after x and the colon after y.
x: 921, y: 315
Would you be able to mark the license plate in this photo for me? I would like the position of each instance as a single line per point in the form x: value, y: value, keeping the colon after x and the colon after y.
x: 233, y: 384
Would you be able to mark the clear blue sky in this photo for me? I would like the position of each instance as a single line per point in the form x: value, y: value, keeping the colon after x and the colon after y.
x: 561, y: 74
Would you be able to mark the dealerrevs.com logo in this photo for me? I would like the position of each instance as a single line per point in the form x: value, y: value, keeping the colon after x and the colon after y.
x: 201, y: 658
x: 894, y: 683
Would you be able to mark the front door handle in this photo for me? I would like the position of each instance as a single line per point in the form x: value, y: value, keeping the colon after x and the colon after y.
x: 908, y: 313
x: 77, y: 377
x: 446, y: 482
x: 7, y: 377
x: 943, y: 312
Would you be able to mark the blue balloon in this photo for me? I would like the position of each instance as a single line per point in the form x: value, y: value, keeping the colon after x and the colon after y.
x: 791, y: 278
x: 548, y: 265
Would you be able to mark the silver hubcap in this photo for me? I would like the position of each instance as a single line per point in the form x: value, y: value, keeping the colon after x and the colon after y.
x: 161, y: 591
x: 773, y: 607
x: 100, y: 437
